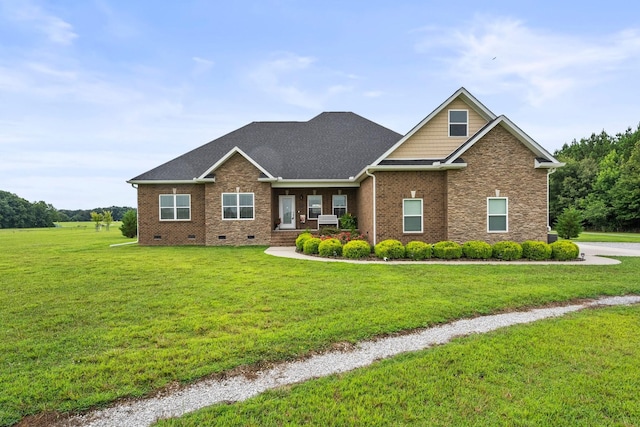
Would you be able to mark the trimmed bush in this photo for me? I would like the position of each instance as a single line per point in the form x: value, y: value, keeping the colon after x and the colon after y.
x: 418, y: 250
x: 330, y: 247
x: 301, y: 239
x: 507, y: 250
x: 447, y: 250
x: 356, y: 249
x: 477, y: 249
x: 564, y: 250
x: 310, y: 246
x: 536, y: 250
x: 390, y: 249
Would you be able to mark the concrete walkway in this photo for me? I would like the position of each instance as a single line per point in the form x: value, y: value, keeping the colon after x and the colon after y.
x: 595, y: 254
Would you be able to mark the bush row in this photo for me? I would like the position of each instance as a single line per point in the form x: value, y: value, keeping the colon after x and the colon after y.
x: 416, y: 250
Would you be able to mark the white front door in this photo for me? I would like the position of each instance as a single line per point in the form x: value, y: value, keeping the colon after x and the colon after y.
x: 287, y: 212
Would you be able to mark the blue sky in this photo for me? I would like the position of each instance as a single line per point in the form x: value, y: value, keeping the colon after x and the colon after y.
x: 95, y: 92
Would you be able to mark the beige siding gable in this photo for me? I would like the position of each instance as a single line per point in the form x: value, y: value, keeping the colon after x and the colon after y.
x: 432, y: 141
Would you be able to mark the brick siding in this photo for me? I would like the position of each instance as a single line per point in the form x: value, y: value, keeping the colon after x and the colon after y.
x: 497, y: 162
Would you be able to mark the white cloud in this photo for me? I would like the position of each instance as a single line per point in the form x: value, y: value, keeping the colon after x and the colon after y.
x: 300, y: 80
x: 54, y: 28
x: 202, y: 65
x: 503, y: 54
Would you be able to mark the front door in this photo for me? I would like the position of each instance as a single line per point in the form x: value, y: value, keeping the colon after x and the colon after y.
x: 287, y: 212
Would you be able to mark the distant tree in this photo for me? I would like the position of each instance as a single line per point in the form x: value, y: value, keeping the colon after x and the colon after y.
x: 107, y: 218
x: 16, y: 212
x: 626, y: 192
x: 569, y: 224
x: 129, y: 227
x: 97, y: 218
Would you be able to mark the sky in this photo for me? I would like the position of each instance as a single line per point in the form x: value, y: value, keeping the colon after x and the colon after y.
x: 96, y: 92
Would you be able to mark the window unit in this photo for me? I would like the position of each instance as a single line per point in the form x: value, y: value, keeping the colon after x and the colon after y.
x: 497, y: 214
x: 339, y: 202
x: 238, y: 206
x: 458, y: 123
x: 314, y: 206
x: 175, y: 207
x: 412, y: 215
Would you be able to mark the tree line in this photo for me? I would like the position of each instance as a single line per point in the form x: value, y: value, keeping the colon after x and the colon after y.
x: 601, y: 181
x: 16, y: 212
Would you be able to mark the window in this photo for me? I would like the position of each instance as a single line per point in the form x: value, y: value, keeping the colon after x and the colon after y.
x: 412, y: 216
x: 339, y: 204
x: 237, y: 206
x: 497, y: 212
x: 314, y: 205
x: 458, y: 122
x: 175, y: 207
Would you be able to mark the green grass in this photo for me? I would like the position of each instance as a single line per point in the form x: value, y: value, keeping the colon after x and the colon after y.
x: 580, y: 370
x: 82, y: 324
x: 594, y: 236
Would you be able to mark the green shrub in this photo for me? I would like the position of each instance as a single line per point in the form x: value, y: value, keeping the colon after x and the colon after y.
x: 301, y: 239
x: 390, y: 249
x: 477, y: 249
x: 507, y: 250
x: 310, y: 246
x: 447, y: 250
x: 536, y: 250
x: 418, y: 250
x: 356, y: 249
x: 330, y: 247
x: 348, y: 221
x: 129, y: 227
x: 563, y: 250
x: 569, y: 223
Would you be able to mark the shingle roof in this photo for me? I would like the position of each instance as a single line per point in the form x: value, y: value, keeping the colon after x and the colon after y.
x: 335, y: 145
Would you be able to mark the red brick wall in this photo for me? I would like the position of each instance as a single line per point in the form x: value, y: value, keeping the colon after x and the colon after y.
x: 365, y: 208
x: 238, y: 173
x: 152, y: 231
x: 393, y: 187
x: 497, y: 162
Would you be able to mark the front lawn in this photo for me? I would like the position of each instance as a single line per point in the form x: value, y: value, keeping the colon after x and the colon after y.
x: 83, y: 324
x: 583, y: 369
x: 594, y: 236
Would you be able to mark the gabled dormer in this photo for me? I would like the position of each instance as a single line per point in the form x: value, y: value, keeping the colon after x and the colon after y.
x: 444, y: 130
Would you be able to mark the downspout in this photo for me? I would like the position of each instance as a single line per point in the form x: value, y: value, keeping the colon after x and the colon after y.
x: 374, y: 205
x: 137, y: 224
x: 548, y: 212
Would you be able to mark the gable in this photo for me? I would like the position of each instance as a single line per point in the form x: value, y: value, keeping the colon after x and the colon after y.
x: 432, y: 141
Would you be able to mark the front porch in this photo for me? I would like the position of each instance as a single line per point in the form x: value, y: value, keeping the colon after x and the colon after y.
x: 285, y: 237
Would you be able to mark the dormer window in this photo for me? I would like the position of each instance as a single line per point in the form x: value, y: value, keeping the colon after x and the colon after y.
x: 458, y: 122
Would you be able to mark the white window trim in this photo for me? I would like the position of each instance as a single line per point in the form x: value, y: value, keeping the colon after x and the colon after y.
x: 222, y: 206
x: 333, y: 204
x: 450, y: 123
x: 421, y: 217
x: 175, y: 208
x: 506, y: 215
x: 309, y: 206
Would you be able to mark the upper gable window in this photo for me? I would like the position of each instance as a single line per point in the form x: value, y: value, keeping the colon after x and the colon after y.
x: 458, y: 122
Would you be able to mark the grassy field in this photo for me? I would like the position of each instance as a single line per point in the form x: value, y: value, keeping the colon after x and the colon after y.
x: 82, y: 324
x: 580, y: 370
x: 593, y: 236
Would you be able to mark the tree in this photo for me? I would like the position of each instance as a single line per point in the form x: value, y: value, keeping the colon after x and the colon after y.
x: 129, y: 227
x: 626, y: 192
x: 569, y: 224
x: 107, y: 218
x: 97, y: 218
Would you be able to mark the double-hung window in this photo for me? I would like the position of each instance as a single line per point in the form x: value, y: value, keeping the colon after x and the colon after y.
x: 314, y: 206
x: 339, y: 204
x: 238, y: 206
x: 175, y: 207
x: 412, y: 216
x: 458, y: 122
x: 497, y: 214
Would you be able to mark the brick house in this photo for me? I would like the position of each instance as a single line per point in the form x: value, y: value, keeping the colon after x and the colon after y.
x: 461, y: 174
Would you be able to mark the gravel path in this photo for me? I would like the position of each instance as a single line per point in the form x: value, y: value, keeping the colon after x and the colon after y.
x: 145, y: 412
